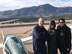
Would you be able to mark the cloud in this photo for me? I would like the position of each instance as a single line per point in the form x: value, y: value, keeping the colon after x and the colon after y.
x: 16, y: 4
x: 9, y: 4
x: 61, y: 3
x: 65, y: 0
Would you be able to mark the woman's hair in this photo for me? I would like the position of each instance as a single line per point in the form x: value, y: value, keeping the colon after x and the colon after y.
x: 61, y: 19
x: 52, y: 23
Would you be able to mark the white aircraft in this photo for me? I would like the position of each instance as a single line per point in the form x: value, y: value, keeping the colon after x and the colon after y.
x: 13, y: 45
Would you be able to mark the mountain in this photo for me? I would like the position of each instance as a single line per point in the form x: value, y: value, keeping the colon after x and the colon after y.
x: 41, y: 10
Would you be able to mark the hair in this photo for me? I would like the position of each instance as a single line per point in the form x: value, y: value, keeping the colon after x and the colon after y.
x: 61, y: 19
x: 52, y: 23
x: 40, y: 18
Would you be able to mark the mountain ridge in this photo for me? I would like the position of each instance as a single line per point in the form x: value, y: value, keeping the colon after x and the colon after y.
x: 37, y: 11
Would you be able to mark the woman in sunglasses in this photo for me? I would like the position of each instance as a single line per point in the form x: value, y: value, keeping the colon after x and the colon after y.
x: 63, y: 37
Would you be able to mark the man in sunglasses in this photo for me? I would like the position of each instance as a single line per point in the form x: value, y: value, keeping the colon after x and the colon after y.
x: 63, y: 37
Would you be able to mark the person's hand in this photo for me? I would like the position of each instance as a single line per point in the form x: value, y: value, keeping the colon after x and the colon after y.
x: 68, y: 49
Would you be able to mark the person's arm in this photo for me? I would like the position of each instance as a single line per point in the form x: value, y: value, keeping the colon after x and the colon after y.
x: 69, y: 39
x: 37, y: 34
x: 57, y: 32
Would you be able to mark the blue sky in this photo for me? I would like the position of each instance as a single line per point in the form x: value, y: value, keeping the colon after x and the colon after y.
x: 16, y: 4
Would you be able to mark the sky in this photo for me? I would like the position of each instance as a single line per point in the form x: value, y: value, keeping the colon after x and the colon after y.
x: 17, y: 4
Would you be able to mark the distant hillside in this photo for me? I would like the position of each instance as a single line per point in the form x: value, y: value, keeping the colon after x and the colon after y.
x: 37, y: 11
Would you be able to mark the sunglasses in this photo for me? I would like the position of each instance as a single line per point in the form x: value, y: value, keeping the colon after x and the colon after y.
x: 61, y: 22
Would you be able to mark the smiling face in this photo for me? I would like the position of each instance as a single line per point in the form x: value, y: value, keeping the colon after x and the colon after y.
x: 40, y: 22
x: 51, y: 26
x: 61, y: 23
